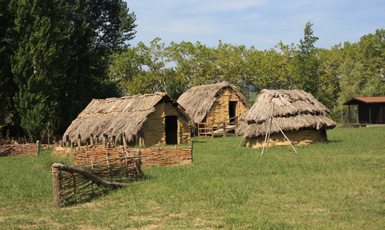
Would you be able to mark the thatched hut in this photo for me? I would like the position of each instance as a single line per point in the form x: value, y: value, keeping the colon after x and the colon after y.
x: 298, y: 114
x: 214, y: 102
x: 370, y: 110
x: 139, y: 120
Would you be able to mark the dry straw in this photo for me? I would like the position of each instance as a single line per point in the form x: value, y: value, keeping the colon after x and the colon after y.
x: 198, y: 100
x: 293, y: 110
x: 117, y: 116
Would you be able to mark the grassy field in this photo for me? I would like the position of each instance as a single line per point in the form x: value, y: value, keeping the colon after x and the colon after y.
x: 334, y: 185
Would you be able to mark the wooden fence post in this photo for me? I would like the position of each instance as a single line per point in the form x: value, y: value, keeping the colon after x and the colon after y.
x: 92, y: 140
x: 56, y: 186
x: 37, y: 148
x: 108, y: 165
x: 104, y: 141
x: 67, y: 141
x: 124, y: 142
x: 191, y: 148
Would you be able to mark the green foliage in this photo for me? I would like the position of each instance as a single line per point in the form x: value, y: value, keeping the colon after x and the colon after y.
x: 332, y: 75
x: 361, y: 72
x: 7, y: 44
x: 176, y: 85
x: 329, y: 75
x: 306, y: 62
x: 58, y: 58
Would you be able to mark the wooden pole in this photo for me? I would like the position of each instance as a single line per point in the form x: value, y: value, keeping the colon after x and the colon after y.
x: 124, y: 142
x: 191, y: 148
x: 264, y: 143
x: 90, y: 176
x: 267, y: 136
x: 350, y: 116
x: 241, y: 142
x: 271, y: 121
x: 79, y: 143
x: 108, y: 165
x: 37, y: 148
x: 104, y: 142
x: 67, y: 143
x: 342, y: 116
x: 92, y: 140
x: 56, y: 186
x: 285, y: 137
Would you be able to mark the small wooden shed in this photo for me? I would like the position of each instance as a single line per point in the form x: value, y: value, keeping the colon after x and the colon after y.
x: 370, y: 110
x: 139, y: 120
x: 214, y: 102
x: 297, y: 113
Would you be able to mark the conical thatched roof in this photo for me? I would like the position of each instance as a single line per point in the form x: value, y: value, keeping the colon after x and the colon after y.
x: 198, y: 100
x: 291, y: 110
x: 115, y: 116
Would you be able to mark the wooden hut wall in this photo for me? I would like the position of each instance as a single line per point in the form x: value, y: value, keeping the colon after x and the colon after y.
x: 184, y: 130
x: 220, y: 109
x: 371, y: 113
x: 300, y: 137
x: 154, y: 127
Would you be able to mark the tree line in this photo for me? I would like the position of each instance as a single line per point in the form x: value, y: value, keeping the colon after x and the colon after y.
x: 57, y: 55
x: 332, y: 75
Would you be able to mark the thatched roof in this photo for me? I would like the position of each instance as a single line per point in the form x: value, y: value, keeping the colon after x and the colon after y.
x: 115, y: 116
x: 198, y: 100
x: 291, y: 110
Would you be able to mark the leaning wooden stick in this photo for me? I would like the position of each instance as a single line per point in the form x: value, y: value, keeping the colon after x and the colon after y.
x: 267, y: 136
x: 285, y: 136
x: 88, y: 175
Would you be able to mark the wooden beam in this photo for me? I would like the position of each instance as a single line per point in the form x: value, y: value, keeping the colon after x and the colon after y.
x: 350, y: 118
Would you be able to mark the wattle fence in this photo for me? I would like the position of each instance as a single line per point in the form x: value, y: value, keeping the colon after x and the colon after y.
x: 81, y: 183
x: 158, y: 156
x: 16, y: 149
x: 96, y: 170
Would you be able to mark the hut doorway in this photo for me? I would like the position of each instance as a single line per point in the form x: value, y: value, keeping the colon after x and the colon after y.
x: 171, y: 130
x: 232, y: 109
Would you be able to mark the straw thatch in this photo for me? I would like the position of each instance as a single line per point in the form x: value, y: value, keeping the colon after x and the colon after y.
x: 198, y: 100
x: 291, y: 110
x: 117, y: 116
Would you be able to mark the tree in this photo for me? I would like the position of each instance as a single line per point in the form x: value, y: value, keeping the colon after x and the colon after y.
x: 36, y: 62
x: 98, y: 29
x: 329, y: 75
x: 7, y: 46
x: 62, y: 56
x: 306, y: 62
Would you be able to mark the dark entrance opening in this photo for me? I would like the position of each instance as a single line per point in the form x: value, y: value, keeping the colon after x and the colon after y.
x: 171, y: 130
x: 232, y: 110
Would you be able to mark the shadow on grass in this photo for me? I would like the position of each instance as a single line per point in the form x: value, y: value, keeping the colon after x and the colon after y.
x: 85, y: 199
x: 333, y: 141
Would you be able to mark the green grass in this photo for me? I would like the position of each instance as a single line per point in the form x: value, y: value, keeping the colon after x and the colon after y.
x: 335, y: 185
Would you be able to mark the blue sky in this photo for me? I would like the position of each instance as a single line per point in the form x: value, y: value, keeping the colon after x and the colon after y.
x: 258, y: 23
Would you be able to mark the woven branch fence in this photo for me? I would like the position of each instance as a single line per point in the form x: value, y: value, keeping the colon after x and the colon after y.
x: 73, y: 185
x: 16, y: 149
x: 159, y: 156
x: 98, y: 170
